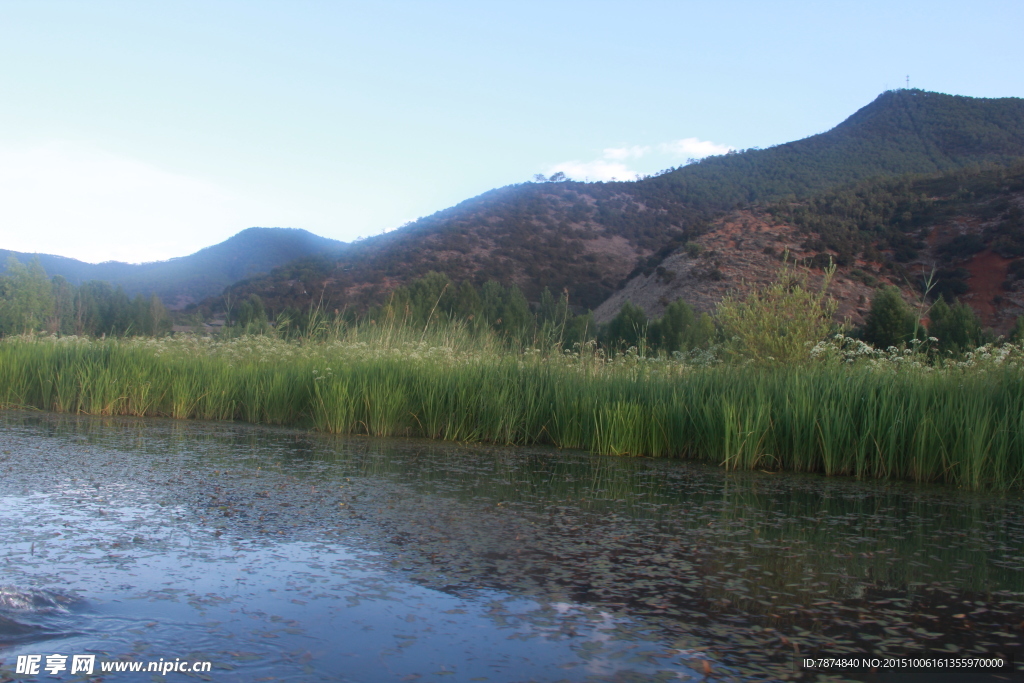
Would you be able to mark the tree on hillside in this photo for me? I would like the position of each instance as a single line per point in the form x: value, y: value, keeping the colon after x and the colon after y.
x: 251, y: 313
x: 517, y: 322
x: 430, y: 297
x: 669, y: 333
x: 149, y: 318
x: 890, y: 321
x: 628, y: 328
x: 468, y: 306
x: 547, y: 309
x: 507, y: 311
x: 157, y: 317
x: 60, y: 320
x: 681, y: 329
x: 27, y: 297
x: 957, y: 327
x: 553, y: 316
x: 492, y: 302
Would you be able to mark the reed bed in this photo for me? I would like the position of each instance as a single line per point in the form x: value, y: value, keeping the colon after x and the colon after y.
x: 962, y: 424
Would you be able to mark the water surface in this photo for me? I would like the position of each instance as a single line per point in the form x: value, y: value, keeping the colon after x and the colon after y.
x: 282, y: 555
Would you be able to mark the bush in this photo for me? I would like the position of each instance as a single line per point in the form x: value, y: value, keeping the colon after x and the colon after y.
x: 781, y: 322
x: 681, y: 329
x: 890, y: 322
x: 628, y: 328
x: 957, y: 327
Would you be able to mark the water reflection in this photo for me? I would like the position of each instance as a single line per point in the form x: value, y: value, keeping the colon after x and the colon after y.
x: 299, y: 556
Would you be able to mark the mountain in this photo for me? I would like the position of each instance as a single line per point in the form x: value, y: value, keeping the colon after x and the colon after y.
x: 180, y: 281
x: 900, y: 132
x: 964, y: 228
x: 589, y: 238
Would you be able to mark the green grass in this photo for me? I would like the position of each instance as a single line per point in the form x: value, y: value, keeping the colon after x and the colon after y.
x: 962, y: 424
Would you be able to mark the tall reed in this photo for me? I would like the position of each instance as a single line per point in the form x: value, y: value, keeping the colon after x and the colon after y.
x: 962, y: 424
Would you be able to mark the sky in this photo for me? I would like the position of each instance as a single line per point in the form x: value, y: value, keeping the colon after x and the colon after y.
x: 141, y: 131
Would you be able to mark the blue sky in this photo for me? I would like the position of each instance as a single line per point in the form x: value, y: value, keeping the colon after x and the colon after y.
x: 145, y: 130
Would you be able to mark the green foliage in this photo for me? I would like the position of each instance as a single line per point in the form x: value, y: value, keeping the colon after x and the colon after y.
x: 251, y: 311
x: 554, y: 318
x: 670, y: 333
x: 888, y: 214
x: 628, y: 328
x: 515, y: 321
x: 30, y: 302
x: 468, y: 305
x: 681, y: 329
x: 781, y: 322
x: 960, y: 425
x: 702, y: 334
x: 890, y: 322
x: 957, y: 327
x: 431, y: 295
x: 548, y: 309
x: 579, y: 331
x: 507, y: 312
x: 62, y: 310
x: 434, y: 299
x: 27, y: 297
x: 251, y: 317
x: 1017, y: 333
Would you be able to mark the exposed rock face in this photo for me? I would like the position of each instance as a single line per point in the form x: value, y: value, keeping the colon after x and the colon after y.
x: 743, y: 251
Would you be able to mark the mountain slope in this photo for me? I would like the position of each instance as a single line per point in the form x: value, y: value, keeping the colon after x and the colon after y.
x: 900, y: 132
x: 966, y: 226
x: 587, y: 238
x: 206, y: 273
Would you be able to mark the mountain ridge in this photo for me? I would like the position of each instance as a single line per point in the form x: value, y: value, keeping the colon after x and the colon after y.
x: 182, y: 280
x: 589, y: 238
x: 586, y: 239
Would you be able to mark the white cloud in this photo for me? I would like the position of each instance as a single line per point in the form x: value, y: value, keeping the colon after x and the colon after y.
x: 599, y: 169
x: 611, y: 167
x: 692, y: 148
x: 77, y: 200
x: 621, y: 153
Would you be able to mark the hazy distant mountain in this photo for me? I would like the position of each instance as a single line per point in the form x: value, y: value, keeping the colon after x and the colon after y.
x: 180, y: 281
x: 588, y: 238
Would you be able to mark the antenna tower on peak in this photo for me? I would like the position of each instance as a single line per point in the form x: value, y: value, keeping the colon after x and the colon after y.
x: 908, y: 81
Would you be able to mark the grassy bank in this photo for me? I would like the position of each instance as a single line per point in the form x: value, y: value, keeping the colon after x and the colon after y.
x: 888, y: 418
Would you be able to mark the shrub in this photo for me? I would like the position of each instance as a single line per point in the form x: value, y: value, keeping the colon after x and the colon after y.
x: 681, y: 329
x: 781, y: 322
x: 628, y: 328
x: 957, y: 327
x: 890, y: 322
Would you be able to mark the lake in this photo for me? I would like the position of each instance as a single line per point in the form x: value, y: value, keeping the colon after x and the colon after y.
x: 277, y: 554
